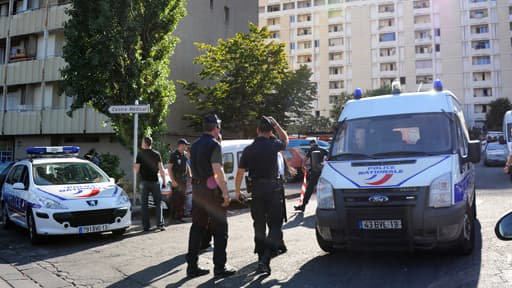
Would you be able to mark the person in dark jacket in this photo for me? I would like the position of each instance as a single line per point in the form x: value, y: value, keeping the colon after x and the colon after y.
x: 179, y: 170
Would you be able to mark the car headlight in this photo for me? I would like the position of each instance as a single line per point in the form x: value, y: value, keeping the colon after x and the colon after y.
x: 441, y: 191
x: 50, y: 203
x: 122, y: 198
x: 324, y: 194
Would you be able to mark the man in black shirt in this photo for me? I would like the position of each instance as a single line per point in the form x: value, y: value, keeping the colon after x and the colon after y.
x: 210, y: 200
x: 260, y: 159
x: 179, y: 171
x: 312, y: 175
x: 148, y: 163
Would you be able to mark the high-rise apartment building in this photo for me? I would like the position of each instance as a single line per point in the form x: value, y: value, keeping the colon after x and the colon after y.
x: 368, y: 44
x: 33, y: 110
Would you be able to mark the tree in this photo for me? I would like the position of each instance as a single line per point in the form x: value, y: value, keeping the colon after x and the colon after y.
x: 494, y: 116
x: 117, y: 51
x: 244, y: 72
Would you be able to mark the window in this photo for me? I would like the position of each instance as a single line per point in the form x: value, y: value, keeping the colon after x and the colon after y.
x: 438, y: 47
x: 335, y: 42
x: 336, y: 85
x: 422, y: 19
x: 289, y: 6
x: 482, y: 76
x: 437, y: 32
x: 423, y: 49
x: 228, y: 159
x: 317, y: 43
x: 478, y: 14
x: 388, y: 67
x: 292, y: 18
x: 482, y: 92
x: 273, y: 21
x: 304, y: 4
x: 273, y: 8
x: 481, y: 44
x: 386, y: 8
x: 335, y: 13
x: 274, y: 34
x: 384, y: 23
x: 384, y: 52
x: 319, y: 2
x: 305, y: 45
x: 426, y: 79
x: 333, y: 2
x: 385, y: 37
x: 304, y: 18
x: 479, y: 29
x: 304, y: 31
x: 317, y: 113
x: 335, y: 56
x: 304, y: 59
x: 226, y: 14
x: 333, y: 99
x: 421, y: 4
x: 292, y: 45
x: 423, y: 64
x: 481, y: 60
x: 422, y: 34
x: 335, y: 28
x: 336, y: 70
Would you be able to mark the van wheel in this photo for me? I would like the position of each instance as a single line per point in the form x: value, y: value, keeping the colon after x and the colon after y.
x: 325, y: 245
x: 5, y: 217
x: 466, y: 240
x: 32, y: 229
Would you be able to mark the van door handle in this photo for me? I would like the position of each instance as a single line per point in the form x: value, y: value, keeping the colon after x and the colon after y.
x: 231, y: 177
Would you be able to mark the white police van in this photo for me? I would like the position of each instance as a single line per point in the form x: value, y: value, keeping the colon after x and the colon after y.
x: 53, y: 193
x: 400, y: 175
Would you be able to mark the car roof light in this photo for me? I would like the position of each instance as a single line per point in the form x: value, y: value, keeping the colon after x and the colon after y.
x: 438, y: 85
x: 53, y: 151
x: 358, y: 93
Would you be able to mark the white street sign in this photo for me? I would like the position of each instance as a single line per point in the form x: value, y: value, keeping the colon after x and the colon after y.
x: 123, y: 109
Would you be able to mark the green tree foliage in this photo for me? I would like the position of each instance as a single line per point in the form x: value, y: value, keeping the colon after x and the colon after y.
x: 117, y: 52
x: 344, y: 97
x: 494, y: 116
x: 244, y: 73
x: 110, y: 164
x: 309, y: 125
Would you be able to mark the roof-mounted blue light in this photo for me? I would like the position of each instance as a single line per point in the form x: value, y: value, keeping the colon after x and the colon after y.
x: 53, y: 151
x: 358, y: 93
x: 438, y: 85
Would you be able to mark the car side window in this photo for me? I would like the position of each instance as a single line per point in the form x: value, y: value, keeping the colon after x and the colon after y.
x: 24, y: 177
x: 14, y: 175
x: 228, y: 161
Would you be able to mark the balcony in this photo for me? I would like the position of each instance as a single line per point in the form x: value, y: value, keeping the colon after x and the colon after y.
x: 422, y: 11
x: 24, y: 72
x: 3, y: 27
x: 22, y: 123
x: 388, y: 73
x: 32, y: 21
x: 85, y: 120
x: 421, y: 56
x: 478, y: 4
x: 424, y: 71
x: 481, y: 51
x: 335, y: 77
x: 482, y: 84
x: 422, y: 25
x: 423, y: 40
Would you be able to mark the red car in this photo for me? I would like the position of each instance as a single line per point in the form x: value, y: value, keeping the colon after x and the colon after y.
x: 294, y: 158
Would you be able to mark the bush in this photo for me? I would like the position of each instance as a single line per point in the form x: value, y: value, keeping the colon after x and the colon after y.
x: 110, y: 164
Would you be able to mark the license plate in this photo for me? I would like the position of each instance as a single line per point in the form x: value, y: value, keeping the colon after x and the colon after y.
x: 380, y: 224
x: 93, y: 228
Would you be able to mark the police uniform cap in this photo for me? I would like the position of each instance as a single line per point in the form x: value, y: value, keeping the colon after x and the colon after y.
x: 212, y: 118
x: 183, y: 141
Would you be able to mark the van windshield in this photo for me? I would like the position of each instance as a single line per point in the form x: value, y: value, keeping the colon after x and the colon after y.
x: 393, y: 136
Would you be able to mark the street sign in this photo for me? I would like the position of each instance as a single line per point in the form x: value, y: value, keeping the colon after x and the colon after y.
x: 123, y: 109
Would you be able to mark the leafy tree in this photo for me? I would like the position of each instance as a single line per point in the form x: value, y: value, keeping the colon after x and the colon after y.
x: 117, y: 51
x: 494, y: 116
x: 309, y: 124
x: 110, y: 164
x: 244, y: 72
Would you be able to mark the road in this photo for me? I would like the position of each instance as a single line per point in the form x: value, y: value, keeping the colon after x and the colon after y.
x: 157, y: 259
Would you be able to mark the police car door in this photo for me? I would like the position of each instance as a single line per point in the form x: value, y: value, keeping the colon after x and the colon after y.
x: 16, y: 193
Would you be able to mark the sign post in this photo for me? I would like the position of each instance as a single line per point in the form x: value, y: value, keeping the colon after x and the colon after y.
x: 136, y: 110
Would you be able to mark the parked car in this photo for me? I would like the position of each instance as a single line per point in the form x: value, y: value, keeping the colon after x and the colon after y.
x: 304, y: 144
x: 494, y: 154
x: 294, y: 158
x: 54, y: 192
x: 4, y: 168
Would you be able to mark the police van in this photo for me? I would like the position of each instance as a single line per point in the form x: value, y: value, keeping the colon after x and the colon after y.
x: 231, y: 153
x: 53, y: 193
x: 400, y: 175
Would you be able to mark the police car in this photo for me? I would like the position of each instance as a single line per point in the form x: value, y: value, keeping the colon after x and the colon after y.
x: 54, y: 193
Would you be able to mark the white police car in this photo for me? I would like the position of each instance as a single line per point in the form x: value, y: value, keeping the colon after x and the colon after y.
x: 53, y: 193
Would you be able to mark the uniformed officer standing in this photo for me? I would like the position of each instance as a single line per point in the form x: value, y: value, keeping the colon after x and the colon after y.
x: 259, y: 159
x: 210, y: 200
x: 312, y: 175
x: 179, y: 170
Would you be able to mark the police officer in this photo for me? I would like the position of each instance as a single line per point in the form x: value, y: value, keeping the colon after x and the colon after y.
x: 259, y: 159
x: 210, y: 200
x: 179, y: 170
x: 312, y: 175
x: 149, y: 163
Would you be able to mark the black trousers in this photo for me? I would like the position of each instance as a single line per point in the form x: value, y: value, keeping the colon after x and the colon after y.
x: 207, y: 210
x: 153, y: 188
x: 266, y: 210
x: 312, y: 180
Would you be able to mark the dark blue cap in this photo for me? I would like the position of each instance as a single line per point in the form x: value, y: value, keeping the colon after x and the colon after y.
x: 212, y: 118
x: 183, y: 141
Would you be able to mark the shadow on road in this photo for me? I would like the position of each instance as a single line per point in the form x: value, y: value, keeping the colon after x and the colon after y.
x: 298, y: 219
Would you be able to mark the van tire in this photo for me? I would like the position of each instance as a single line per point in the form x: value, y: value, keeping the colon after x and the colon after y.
x: 35, y: 238
x: 325, y: 245
x: 5, y: 218
x: 466, y: 241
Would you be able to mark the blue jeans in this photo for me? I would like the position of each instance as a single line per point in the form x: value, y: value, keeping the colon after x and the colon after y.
x: 153, y: 188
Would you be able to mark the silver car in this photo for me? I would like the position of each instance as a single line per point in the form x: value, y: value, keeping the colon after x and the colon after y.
x: 494, y: 154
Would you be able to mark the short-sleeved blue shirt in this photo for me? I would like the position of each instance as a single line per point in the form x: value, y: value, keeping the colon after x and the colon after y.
x: 259, y: 158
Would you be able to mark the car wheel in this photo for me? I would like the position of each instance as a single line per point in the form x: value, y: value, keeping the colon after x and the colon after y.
x: 325, y: 245
x: 466, y: 240
x: 32, y: 229
x: 5, y: 217
x: 119, y: 232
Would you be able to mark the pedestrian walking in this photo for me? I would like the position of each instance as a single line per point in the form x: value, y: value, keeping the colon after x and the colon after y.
x: 210, y: 200
x: 148, y: 163
x: 260, y: 160
x: 312, y: 175
x: 179, y: 170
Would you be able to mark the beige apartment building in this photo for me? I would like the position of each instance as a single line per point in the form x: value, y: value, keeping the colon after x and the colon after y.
x: 33, y: 110
x: 368, y: 44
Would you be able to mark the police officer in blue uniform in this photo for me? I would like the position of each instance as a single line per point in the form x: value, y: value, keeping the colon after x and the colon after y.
x: 210, y: 200
x: 259, y: 159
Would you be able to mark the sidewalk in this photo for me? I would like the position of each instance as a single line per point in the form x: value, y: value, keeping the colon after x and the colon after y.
x: 28, y: 276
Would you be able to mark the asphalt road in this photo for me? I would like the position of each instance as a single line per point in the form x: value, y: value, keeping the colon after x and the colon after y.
x: 157, y: 259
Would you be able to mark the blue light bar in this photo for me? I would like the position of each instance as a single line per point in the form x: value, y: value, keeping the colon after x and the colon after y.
x: 438, y: 85
x: 53, y: 150
x: 358, y: 93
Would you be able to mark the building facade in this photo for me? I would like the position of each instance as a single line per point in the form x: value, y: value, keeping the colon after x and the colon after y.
x: 368, y: 44
x: 33, y: 109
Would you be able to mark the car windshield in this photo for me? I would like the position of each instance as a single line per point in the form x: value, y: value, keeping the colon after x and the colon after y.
x: 67, y: 173
x: 495, y: 146
x: 393, y: 136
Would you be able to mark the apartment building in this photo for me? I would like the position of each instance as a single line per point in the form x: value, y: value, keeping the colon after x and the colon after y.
x: 368, y: 44
x: 33, y: 108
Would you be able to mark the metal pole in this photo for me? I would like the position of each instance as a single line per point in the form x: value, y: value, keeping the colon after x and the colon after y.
x: 135, y: 128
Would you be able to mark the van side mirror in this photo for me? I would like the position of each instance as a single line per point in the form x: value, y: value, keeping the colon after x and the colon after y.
x: 316, y: 161
x: 475, y: 150
x: 502, y: 140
